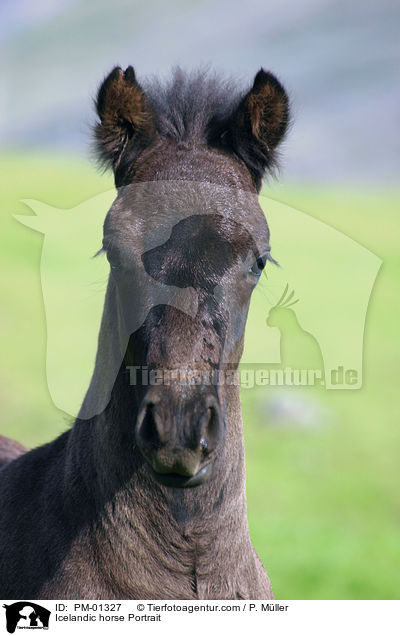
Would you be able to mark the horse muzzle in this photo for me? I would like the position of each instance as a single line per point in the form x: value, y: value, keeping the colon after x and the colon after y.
x: 179, y: 435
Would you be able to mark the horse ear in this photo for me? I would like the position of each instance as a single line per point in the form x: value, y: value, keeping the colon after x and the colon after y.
x: 260, y: 123
x: 125, y: 117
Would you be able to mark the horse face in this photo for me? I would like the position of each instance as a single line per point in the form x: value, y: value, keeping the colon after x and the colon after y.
x: 187, y: 241
x: 184, y: 260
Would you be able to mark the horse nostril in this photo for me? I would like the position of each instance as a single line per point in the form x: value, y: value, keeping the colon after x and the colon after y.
x: 212, y: 430
x: 150, y: 430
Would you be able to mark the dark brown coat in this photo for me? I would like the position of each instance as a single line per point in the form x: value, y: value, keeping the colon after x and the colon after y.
x: 106, y: 511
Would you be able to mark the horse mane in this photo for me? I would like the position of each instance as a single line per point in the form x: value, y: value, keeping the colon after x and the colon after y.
x: 186, y: 106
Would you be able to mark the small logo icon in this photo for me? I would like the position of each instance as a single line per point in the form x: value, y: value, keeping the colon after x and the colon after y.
x: 26, y: 615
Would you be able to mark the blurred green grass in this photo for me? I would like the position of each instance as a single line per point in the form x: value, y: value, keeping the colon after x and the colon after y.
x: 323, y: 501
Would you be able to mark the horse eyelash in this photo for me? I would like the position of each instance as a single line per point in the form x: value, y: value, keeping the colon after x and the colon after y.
x: 271, y: 259
x: 100, y: 251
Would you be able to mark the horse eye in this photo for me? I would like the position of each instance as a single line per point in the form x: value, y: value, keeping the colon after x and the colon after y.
x: 258, y: 265
x: 114, y: 261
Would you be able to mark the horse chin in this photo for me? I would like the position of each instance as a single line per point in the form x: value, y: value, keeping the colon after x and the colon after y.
x: 174, y: 480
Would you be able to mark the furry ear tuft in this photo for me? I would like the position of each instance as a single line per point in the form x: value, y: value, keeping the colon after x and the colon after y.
x: 125, y: 116
x: 260, y: 123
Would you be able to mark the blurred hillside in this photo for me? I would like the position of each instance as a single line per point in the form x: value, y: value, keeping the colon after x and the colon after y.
x: 339, y: 60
